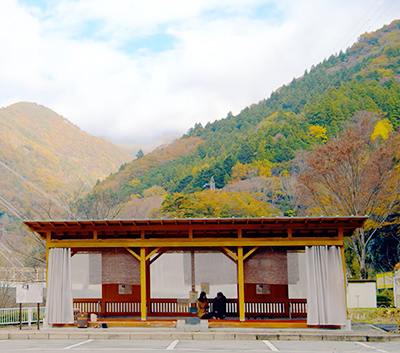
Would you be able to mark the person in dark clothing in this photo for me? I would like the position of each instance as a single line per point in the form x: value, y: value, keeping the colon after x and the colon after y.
x: 219, y: 306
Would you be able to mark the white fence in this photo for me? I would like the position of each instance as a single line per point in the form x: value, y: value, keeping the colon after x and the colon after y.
x: 10, y: 316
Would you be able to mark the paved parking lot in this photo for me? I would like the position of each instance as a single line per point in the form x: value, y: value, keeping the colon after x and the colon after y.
x: 198, y: 346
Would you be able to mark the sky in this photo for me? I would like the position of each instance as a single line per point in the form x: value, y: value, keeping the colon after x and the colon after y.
x: 134, y: 71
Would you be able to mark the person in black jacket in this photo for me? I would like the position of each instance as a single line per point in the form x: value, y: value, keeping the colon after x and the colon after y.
x: 219, y: 306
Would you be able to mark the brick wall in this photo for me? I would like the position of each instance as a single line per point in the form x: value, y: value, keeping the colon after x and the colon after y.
x: 119, y: 266
x: 266, y: 265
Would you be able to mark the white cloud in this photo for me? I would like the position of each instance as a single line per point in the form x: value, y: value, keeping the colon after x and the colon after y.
x: 96, y: 62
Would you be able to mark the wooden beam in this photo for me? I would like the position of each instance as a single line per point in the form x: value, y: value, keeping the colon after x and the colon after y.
x: 152, y: 253
x: 156, y: 257
x: 188, y: 243
x: 230, y: 252
x: 340, y: 233
x: 250, y: 252
x: 133, y: 253
x: 228, y: 256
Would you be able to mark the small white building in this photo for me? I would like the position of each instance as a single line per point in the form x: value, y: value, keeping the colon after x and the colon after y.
x: 361, y: 293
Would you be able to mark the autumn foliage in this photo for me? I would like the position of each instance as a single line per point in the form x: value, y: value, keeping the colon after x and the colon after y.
x: 215, y: 203
x: 354, y: 174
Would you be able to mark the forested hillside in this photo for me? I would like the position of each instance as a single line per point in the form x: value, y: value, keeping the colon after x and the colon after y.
x: 263, y: 139
x: 42, y: 151
x: 261, y: 161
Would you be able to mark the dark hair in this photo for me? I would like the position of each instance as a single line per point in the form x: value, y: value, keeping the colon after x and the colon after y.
x: 202, y: 294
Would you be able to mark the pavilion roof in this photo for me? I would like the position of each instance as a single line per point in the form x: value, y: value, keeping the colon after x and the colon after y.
x: 169, y: 228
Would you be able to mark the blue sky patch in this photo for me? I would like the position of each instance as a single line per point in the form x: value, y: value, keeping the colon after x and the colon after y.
x: 218, y: 13
x: 42, y: 4
x: 90, y: 30
x: 153, y: 43
x: 267, y: 11
x: 264, y: 11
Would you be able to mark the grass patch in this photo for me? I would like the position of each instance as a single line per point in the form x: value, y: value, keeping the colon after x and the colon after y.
x: 374, y: 315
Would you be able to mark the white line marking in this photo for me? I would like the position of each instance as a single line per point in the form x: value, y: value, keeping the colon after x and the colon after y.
x: 78, y: 344
x: 377, y: 349
x: 271, y: 346
x: 172, y: 345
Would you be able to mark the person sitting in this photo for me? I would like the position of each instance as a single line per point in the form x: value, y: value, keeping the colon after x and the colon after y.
x: 202, y: 307
x: 219, y: 306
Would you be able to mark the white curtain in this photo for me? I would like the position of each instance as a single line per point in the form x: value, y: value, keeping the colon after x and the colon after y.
x: 59, y: 289
x: 326, y: 303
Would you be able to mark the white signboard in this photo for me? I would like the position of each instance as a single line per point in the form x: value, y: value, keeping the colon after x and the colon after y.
x: 31, y: 293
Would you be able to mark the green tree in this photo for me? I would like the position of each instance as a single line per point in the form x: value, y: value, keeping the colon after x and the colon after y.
x: 140, y: 154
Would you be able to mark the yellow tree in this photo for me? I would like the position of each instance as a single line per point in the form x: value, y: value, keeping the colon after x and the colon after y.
x: 214, y: 203
x: 354, y: 175
x: 260, y: 168
x: 382, y: 129
x: 319, y: 132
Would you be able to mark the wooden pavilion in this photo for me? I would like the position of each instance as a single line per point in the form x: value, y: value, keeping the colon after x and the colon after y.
x: 240, y: 239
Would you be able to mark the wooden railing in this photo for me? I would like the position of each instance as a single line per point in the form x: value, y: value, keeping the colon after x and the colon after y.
x: 285, y: 308
x: 169, y: 307
x: 107, y: 308
x: 127, y: 308
x: 90, y: 306
x: 298, y: 308
x: 293, y: 308
x: 278, y: 309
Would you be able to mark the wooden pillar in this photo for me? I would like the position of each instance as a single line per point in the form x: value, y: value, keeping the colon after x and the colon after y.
x: 192, y: 270
x: 143, y: 291
x: 38, y: 316
x: 143, y: 279
x: 20, y: 316
x: 48, y: 238
x: 240, y: 265
x: 341, y: 237
x: 148, y: 285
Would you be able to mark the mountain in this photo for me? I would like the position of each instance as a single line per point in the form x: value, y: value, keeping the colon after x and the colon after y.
x: 133, y: 149
x: 244, y: 153
x: 244, y: 165
x: 44, y: 156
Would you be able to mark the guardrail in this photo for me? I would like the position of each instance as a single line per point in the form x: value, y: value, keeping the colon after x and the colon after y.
x: 10, y: 316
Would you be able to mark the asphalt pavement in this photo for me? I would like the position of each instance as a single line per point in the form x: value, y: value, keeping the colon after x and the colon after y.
x: 195, y: 346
